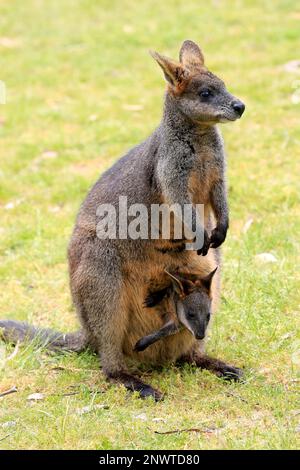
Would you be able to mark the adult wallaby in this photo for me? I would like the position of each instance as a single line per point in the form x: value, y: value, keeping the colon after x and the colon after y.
x: 185, y: 303
x: 182, y: 161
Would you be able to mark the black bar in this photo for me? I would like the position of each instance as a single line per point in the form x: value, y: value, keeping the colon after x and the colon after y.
x: 139, y: 458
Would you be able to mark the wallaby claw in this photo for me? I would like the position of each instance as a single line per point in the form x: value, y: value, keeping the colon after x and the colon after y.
x: 217, y: 237
x: 139, y: 346
x: 204, y: 250
x: 134, y: 384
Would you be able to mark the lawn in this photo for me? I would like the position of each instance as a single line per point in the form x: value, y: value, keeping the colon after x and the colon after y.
x: 81, y: 90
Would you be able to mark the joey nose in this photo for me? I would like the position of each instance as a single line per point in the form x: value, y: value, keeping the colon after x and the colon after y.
x: 239, y: 107
x: 200, y: 336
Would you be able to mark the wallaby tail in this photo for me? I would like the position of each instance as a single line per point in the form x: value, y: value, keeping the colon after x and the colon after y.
x: 14, y: 331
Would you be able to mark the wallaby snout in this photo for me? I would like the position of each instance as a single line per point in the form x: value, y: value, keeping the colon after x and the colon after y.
x: 238, y: 107
x: 200, y: 336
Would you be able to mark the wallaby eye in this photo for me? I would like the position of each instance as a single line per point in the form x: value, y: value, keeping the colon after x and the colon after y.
x: 208, y: 317
x: 205, y: 93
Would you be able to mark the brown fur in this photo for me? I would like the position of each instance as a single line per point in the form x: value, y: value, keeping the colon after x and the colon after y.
x: 181, y: 162
x: 142, y: 320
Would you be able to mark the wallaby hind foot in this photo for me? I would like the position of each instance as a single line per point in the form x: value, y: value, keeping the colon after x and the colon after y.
x: 134, y: 384
x: 219, y: 368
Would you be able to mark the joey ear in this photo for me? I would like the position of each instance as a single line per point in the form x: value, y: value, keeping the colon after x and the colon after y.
x: 191, y: 56
x: 177, y: 284
x: 182, y: 285
x: 175, y: 73
x: 206, y: 281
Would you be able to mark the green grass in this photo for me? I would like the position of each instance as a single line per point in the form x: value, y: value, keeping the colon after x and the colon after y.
x: 73, y: 71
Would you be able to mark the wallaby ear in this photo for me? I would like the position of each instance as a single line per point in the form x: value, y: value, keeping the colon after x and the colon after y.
x: 182, y: 285
x: 206, y: 281
x: 191, y: 56
x: 175, y: 73
x: 177, y: 284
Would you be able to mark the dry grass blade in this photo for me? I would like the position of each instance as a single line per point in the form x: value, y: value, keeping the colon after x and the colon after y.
x: 177, y: 431
x: 5, y: 437
x: 9, y: 391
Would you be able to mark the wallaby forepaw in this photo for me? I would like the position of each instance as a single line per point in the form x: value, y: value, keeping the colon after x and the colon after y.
x: 140, y: 345
x: 217, y: 237
x: 204, y: 250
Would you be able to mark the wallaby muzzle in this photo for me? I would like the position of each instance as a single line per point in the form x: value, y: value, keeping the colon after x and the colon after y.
x: 199, y: 335
x: 238, y: 107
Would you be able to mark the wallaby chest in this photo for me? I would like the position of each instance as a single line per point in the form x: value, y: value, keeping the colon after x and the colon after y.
x: 208, y: 167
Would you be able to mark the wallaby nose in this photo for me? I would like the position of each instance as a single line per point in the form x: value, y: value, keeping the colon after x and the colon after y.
x: 200, y: 336
x: 239, y: 107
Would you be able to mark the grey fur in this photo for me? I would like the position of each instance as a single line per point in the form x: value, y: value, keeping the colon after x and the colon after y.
x: 109, y: 278
x: 14, y: 331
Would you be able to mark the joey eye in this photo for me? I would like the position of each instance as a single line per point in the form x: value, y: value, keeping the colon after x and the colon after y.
x: 205, y: 93
x: 208, y: 317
